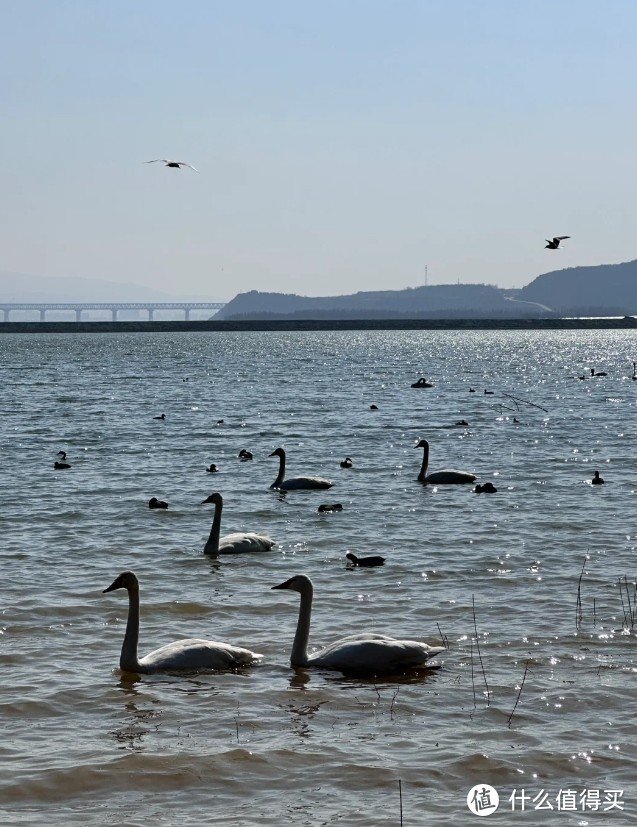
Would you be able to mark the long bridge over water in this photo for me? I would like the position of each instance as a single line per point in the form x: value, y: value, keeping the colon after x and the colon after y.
x: 112, y: 307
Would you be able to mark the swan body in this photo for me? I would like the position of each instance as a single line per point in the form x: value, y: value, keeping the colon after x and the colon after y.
x: 295, y: 483
x: 422, y: 383
x: 347, y: 463
x: 232, y: 543
x: 161, y: 416
x: 188, y: 654
x: 155, y: 503
x: 445, y: 476
x: 373, y: 560
x: 597, y: 480
x: 366, y: 652
x: 600, y: 373
x: 60, y: 466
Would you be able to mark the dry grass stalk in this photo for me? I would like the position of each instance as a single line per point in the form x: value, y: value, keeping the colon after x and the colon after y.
x: 526, y: 667
x: 484, y: 675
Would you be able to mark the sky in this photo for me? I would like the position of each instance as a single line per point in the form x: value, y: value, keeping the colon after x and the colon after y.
x: 342, y: 145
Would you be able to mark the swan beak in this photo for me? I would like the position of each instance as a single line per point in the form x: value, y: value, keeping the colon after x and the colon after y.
x: 285, y: 585
x: 114, y: 585
x: 273, y: 454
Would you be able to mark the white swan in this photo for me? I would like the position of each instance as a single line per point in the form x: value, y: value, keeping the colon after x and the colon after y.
x: 232, y: 543
x: 445, y: 476
x: 365, y: 652
x: 295, y: 482
x: 188, y: 654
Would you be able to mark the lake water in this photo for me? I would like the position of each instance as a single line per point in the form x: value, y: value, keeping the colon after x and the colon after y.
x: 84, y: 744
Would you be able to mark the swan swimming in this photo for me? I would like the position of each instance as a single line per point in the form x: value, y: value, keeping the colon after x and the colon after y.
x: 445, y: 476
x: 232, y: 543
x: 422, y: 383
x: 366, y: 652
x: 183, y: 655
x: 295, y: 483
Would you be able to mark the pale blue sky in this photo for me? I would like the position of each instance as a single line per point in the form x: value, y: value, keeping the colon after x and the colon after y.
x: 342, y: 146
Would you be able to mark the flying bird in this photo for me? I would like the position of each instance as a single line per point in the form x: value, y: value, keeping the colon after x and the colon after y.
x: 168, y: 163
x: 553, y: 245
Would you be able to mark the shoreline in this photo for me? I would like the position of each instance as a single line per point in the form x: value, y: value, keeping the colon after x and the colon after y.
x: 207, y: 326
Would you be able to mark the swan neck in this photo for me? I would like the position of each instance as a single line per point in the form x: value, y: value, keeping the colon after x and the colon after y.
x: 212, y: 543
x: 299, y: 647
x: 277, y: 482
x: 128, y: 658
x: 425, y: 462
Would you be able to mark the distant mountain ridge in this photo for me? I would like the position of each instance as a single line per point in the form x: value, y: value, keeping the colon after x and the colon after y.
x: 606, y: 289
x: 603, y: 290
x: 417, y: 302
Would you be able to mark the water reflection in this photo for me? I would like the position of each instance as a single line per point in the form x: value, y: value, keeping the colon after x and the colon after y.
x: 138, y: 720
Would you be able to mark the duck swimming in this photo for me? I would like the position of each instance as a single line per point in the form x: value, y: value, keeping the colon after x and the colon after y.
x: 212, y: 468
x: 373, y: 560
x: 155, y: 503
x: 597, y: 480
x: 485, y: 488
x: 323, y: 507
x: 347, y: 463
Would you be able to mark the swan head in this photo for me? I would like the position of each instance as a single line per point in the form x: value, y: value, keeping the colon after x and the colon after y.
x: 126, y: 580
x: 422, y: 444
x: 61, y: 454
x: 215, y: 499
x: 278, y: 452
x: 299, y: 583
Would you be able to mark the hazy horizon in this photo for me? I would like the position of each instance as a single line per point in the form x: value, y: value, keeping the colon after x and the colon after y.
x: 340, y: 148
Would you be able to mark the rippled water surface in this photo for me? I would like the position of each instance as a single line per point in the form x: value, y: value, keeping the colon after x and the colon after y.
x: 497, y: 577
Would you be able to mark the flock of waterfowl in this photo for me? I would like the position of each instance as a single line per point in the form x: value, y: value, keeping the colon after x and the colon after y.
x: 365, y: 651
x: 362, y: 652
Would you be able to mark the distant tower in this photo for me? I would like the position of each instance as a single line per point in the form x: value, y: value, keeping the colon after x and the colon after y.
x: 425, y: 275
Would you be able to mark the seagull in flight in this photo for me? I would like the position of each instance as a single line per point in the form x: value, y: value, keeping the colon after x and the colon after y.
x: 168, y: 163
x: 553, y: 245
